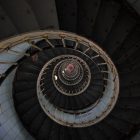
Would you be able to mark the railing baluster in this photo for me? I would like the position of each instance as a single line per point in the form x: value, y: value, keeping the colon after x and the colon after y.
x: 87, y: 50
x: 93, y: 57
x: 105, y: 71
x: 63, y: 41
x: 18, y: 53
x: 76, y: 45
x: 34, y: 46
x: 100, y: 64
x: 47, y: 40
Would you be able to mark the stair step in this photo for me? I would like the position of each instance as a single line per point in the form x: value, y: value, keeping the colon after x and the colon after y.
x: 131, y: 116
x: 49, y: 8
x: 25, y: 95
x: 49, y: 53
x: 124, y: 25
x: 71, y: 10
x: 29, y: 116
x: 62, y: 101
x: 129, y: 103
x: 73, y: 133
x: 20, y: 19
x: 25, y: 76
x: 97, y: 133
x: 25, y: 106
x: 7, y: 27
x: 45, y: 129
x: 84, y: 134
x: 131, y: 92
x: 55, y: 131
x: 111, y: 132
x: 126, y: 50
x: 107, y: 15
x: 29, y: 67
x: 62, y: 133
x: 121, y: 126
x: 86, y: 18
x: 37, y: 123
x: 21, y: 86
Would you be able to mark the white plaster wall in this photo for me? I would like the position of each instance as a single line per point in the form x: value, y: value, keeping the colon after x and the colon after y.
x: 10, y: 125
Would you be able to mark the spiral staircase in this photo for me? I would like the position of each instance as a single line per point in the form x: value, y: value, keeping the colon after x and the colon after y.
x: 69, y: 70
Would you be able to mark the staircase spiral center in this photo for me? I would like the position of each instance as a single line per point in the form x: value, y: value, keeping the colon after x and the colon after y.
x: 69, y: 69
x: 78, y: 86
